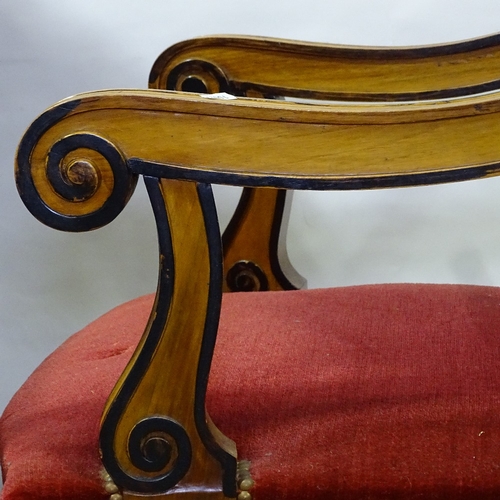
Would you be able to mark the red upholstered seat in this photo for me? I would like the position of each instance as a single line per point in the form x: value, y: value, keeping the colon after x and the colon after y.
x: 389, y: 391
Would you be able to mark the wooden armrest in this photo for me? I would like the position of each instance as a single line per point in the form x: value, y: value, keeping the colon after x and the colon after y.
x: 253, y: 66
x: 256, y: 142
x: 77, y: 166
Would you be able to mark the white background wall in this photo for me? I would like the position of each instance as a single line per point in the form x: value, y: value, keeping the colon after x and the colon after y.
x: 52, y: 283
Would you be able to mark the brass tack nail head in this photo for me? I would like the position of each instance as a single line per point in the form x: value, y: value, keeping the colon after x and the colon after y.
x: 105, y: 476
x: 116, y: 496
x: 247, y: 484
x: 244, y: 495
x: 111, y: 487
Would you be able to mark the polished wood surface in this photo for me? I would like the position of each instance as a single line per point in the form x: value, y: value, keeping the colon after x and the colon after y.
x: 256, y: 142
x: 176, y: 354
x: 276, y: 67
x: 254, y: 243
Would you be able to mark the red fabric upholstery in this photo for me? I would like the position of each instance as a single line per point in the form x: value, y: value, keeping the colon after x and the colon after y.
x: 370, y: 392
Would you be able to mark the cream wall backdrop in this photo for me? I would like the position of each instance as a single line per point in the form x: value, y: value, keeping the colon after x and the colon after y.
x: 54, y: 283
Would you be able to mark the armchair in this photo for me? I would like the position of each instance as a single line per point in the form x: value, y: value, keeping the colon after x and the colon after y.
x: 382, y: 391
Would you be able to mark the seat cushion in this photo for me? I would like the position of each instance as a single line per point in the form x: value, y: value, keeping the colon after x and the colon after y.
x: 386, y: 391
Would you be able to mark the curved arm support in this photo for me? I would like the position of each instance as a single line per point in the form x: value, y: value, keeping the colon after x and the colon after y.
x: 254, y: 244
x: 155, y: 434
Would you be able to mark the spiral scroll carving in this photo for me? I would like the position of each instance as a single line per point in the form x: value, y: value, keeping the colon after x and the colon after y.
x: 83, y: 184
x: 159, y: 445
x: 246, y: 276
x: 198, y: 76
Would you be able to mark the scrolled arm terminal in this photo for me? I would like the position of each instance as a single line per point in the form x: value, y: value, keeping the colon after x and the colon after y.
x: 83, y: 184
